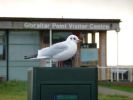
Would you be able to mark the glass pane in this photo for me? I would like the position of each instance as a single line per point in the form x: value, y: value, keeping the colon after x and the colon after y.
x: 2, y: 55
x: 22, y: 43
x: 2, y: 38
x: 24, y: 37
x: 2, y: 45
x: 45, y: 38
x: 1, y: 49
x: 66, y: 97
x: 60, y: 36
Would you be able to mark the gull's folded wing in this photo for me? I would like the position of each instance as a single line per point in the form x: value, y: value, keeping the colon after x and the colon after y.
x: 53, y: 50
x: 39, y: 58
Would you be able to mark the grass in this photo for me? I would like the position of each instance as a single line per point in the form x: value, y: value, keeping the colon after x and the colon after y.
x: 13, y: 90
x: 17, y: 90
x: 117, y: 86
x: 113, y: 97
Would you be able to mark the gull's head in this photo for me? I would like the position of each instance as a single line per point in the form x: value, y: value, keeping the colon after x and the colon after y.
x: 73, y: 38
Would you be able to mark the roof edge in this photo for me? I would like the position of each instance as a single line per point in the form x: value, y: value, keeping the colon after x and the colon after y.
x: 58, y: 19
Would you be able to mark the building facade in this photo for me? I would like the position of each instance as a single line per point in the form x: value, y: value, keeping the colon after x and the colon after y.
x: 21, y: 37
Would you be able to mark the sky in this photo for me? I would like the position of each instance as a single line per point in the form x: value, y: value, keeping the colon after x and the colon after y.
x: 90, y: 9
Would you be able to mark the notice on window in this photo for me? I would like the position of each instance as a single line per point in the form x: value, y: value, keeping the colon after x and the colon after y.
x: 89, y: 55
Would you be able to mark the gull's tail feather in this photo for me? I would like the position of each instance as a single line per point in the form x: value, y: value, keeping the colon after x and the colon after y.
x: 30, y: 57
x: 34, y: 57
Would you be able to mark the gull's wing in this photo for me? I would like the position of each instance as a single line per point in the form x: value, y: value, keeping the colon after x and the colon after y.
x: 53, y: 50
x: 39, y: 58
x: 49, y: 52
x: 35, y: 58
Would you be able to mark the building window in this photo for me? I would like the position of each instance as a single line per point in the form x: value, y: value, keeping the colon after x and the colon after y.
x: 60, y: 36
x: 2, y: 45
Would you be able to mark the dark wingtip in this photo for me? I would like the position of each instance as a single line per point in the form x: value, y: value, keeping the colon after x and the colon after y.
x: 25, y: 57
x: 28, y: 57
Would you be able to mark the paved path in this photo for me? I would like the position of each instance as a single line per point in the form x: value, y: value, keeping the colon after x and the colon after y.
x: 108, y: 91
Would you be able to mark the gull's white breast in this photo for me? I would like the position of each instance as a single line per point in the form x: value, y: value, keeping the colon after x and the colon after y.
x: 68, y: 53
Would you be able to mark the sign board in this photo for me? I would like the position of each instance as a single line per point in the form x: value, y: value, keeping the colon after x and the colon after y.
x: 69, y: 26
x: 89, y: 56
x: 59, y: 25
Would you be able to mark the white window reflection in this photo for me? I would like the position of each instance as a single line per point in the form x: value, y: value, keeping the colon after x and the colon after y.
x: 2, y: 45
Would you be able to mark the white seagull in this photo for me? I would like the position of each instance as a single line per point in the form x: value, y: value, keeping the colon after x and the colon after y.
x: 60, y: 51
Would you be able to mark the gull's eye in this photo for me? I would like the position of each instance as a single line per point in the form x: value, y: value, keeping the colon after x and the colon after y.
x: 74, y: 38
x: 71, y: 38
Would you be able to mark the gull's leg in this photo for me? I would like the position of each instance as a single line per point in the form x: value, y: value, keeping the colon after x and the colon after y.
x: 42, y: 63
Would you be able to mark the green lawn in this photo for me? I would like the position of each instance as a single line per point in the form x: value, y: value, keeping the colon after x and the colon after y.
x: 17, y: 90
x: 13, y: 90
x: 117, y: 86
x: 113, y: 97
